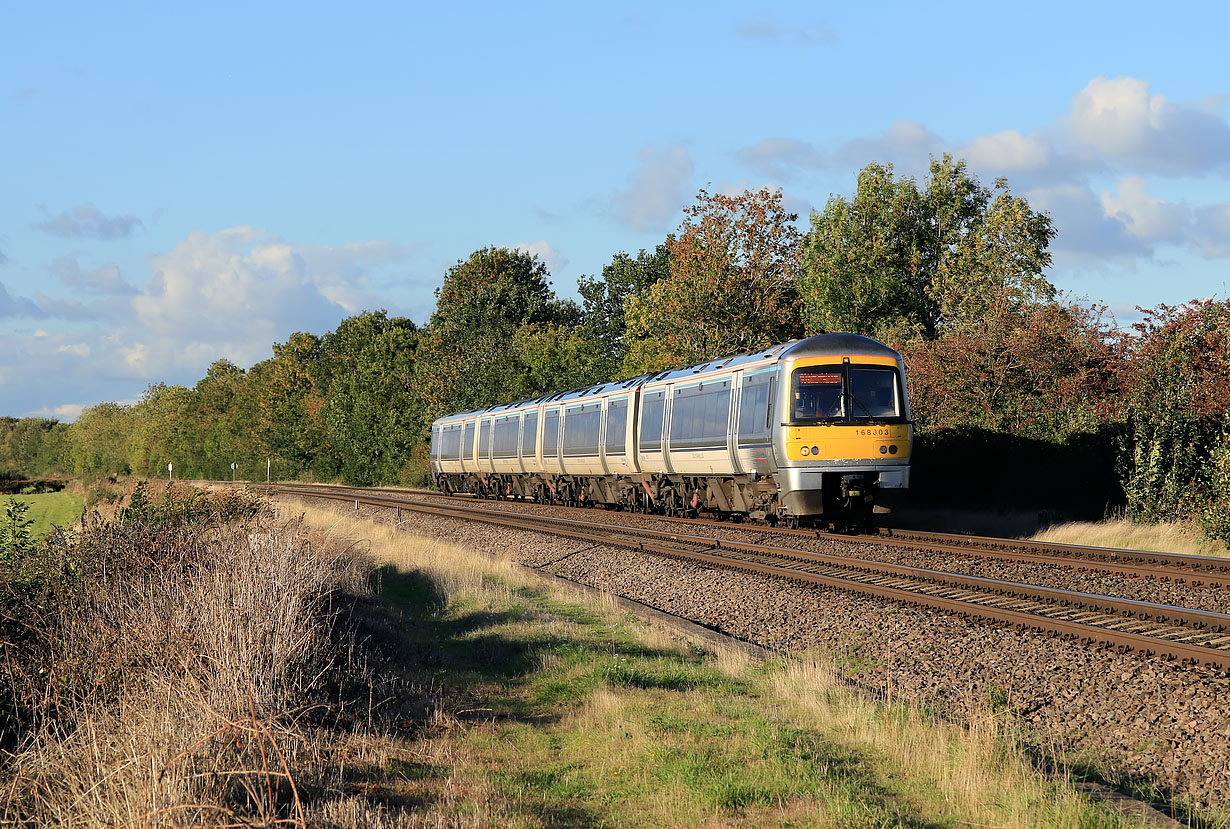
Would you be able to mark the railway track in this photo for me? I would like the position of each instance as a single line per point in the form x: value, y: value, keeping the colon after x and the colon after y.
x: 1187, y: 635
x: 1195, y: 571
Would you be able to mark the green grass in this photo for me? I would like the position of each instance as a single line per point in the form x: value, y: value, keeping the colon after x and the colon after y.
x: 59, y: 509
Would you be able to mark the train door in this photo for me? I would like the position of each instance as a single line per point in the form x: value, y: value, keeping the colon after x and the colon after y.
x: 469, y: 447
x: 732, y: 434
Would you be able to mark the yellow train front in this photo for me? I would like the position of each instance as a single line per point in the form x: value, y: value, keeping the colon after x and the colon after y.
x: 842, y: 449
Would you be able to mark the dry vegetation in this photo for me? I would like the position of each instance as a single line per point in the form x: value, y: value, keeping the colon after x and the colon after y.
x: 174, y: 668
x: 1130, y: 535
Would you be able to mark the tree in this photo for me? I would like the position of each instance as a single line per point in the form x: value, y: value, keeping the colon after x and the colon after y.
x: 225, y: 432
x: 604, y: 299
x: 371, y: 409
x: 99, y: 440
x: 289, y: 401
x: 163, y: 431
x: 556, y: 357
x: 730, y: 289
x: 930, y: 259
x: 465, y: 357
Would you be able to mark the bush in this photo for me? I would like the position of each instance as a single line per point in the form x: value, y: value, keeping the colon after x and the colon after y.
x: 1177, y: 393
x: 166, y: 665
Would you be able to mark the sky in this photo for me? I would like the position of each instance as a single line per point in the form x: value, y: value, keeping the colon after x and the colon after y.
x: 183, y: 182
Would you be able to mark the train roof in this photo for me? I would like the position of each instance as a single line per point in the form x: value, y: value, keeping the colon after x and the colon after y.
x: 821, y: 345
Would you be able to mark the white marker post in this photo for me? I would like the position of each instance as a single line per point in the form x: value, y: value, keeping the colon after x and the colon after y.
x: 168, y: 472
x: 234, y: 466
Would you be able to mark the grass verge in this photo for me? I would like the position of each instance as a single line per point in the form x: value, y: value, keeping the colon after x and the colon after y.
x: 1128, y: 535
x: 529, y: 705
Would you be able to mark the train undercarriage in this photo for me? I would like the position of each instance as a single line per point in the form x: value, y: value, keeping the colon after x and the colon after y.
x: 849, y: 500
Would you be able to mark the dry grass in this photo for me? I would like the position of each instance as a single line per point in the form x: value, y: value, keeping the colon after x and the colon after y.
x: 178, y: 683
x: 1128, y: 535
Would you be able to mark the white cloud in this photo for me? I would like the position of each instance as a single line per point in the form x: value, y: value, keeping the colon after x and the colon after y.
x: 658, y: 190
x: 1008, y: 151
x: 106, y: 280
x: 1146, y: 217
x: 1086, y: 236
x: 67, y: 412
x: 1211, y: 230
x: 17, y: 306
x: 230, y: 294
x: 1121, y: 119
x: 85, y: 220
x: 545, y: 252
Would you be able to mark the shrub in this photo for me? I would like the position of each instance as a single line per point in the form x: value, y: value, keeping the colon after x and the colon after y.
x: 1177, y: 392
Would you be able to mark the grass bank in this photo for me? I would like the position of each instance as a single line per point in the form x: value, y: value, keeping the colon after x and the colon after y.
x: 531, y: 705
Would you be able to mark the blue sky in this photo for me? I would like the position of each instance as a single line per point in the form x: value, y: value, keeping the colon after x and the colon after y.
x: 182, y: 183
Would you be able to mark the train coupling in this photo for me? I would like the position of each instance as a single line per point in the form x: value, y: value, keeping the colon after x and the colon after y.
x: 856, y: 487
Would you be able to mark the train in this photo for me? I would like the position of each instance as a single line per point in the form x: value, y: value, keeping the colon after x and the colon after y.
x: 814, y: 431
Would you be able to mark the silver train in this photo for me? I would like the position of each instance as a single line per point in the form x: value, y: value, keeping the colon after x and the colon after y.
x: 817, y: 429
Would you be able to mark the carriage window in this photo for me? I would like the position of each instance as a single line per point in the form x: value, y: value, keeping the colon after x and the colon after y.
x: 754, y: 408
x: 701, y: 417
x: 484, y: 440
x: 467, y: 442
x: 550, y: 434
x: 581, y: 430
x: 506, y: 437
x: 450, y: 442
x: 651, y: 420
x: 529, y: 435
x: 616, y: 426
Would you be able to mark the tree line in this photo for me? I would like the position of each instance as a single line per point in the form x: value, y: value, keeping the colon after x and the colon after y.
x: 1019, y: 393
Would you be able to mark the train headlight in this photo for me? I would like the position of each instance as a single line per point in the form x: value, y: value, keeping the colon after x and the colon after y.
x: 892, y: 450
x: 805, y: 451
x: 883, y: 450
x: 815, y: 450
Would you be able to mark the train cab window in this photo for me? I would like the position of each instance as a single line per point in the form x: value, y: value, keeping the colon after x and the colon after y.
x: 846, y: 394
x: 874, y: 393
x: 816, y: 394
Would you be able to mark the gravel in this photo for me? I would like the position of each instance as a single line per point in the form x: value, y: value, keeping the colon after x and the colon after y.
x: 1133, y: 718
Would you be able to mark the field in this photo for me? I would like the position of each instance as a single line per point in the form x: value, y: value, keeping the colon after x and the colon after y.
x: 59, y: 509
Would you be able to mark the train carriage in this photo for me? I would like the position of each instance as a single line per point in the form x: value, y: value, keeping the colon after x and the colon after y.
x: 816, y: 429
